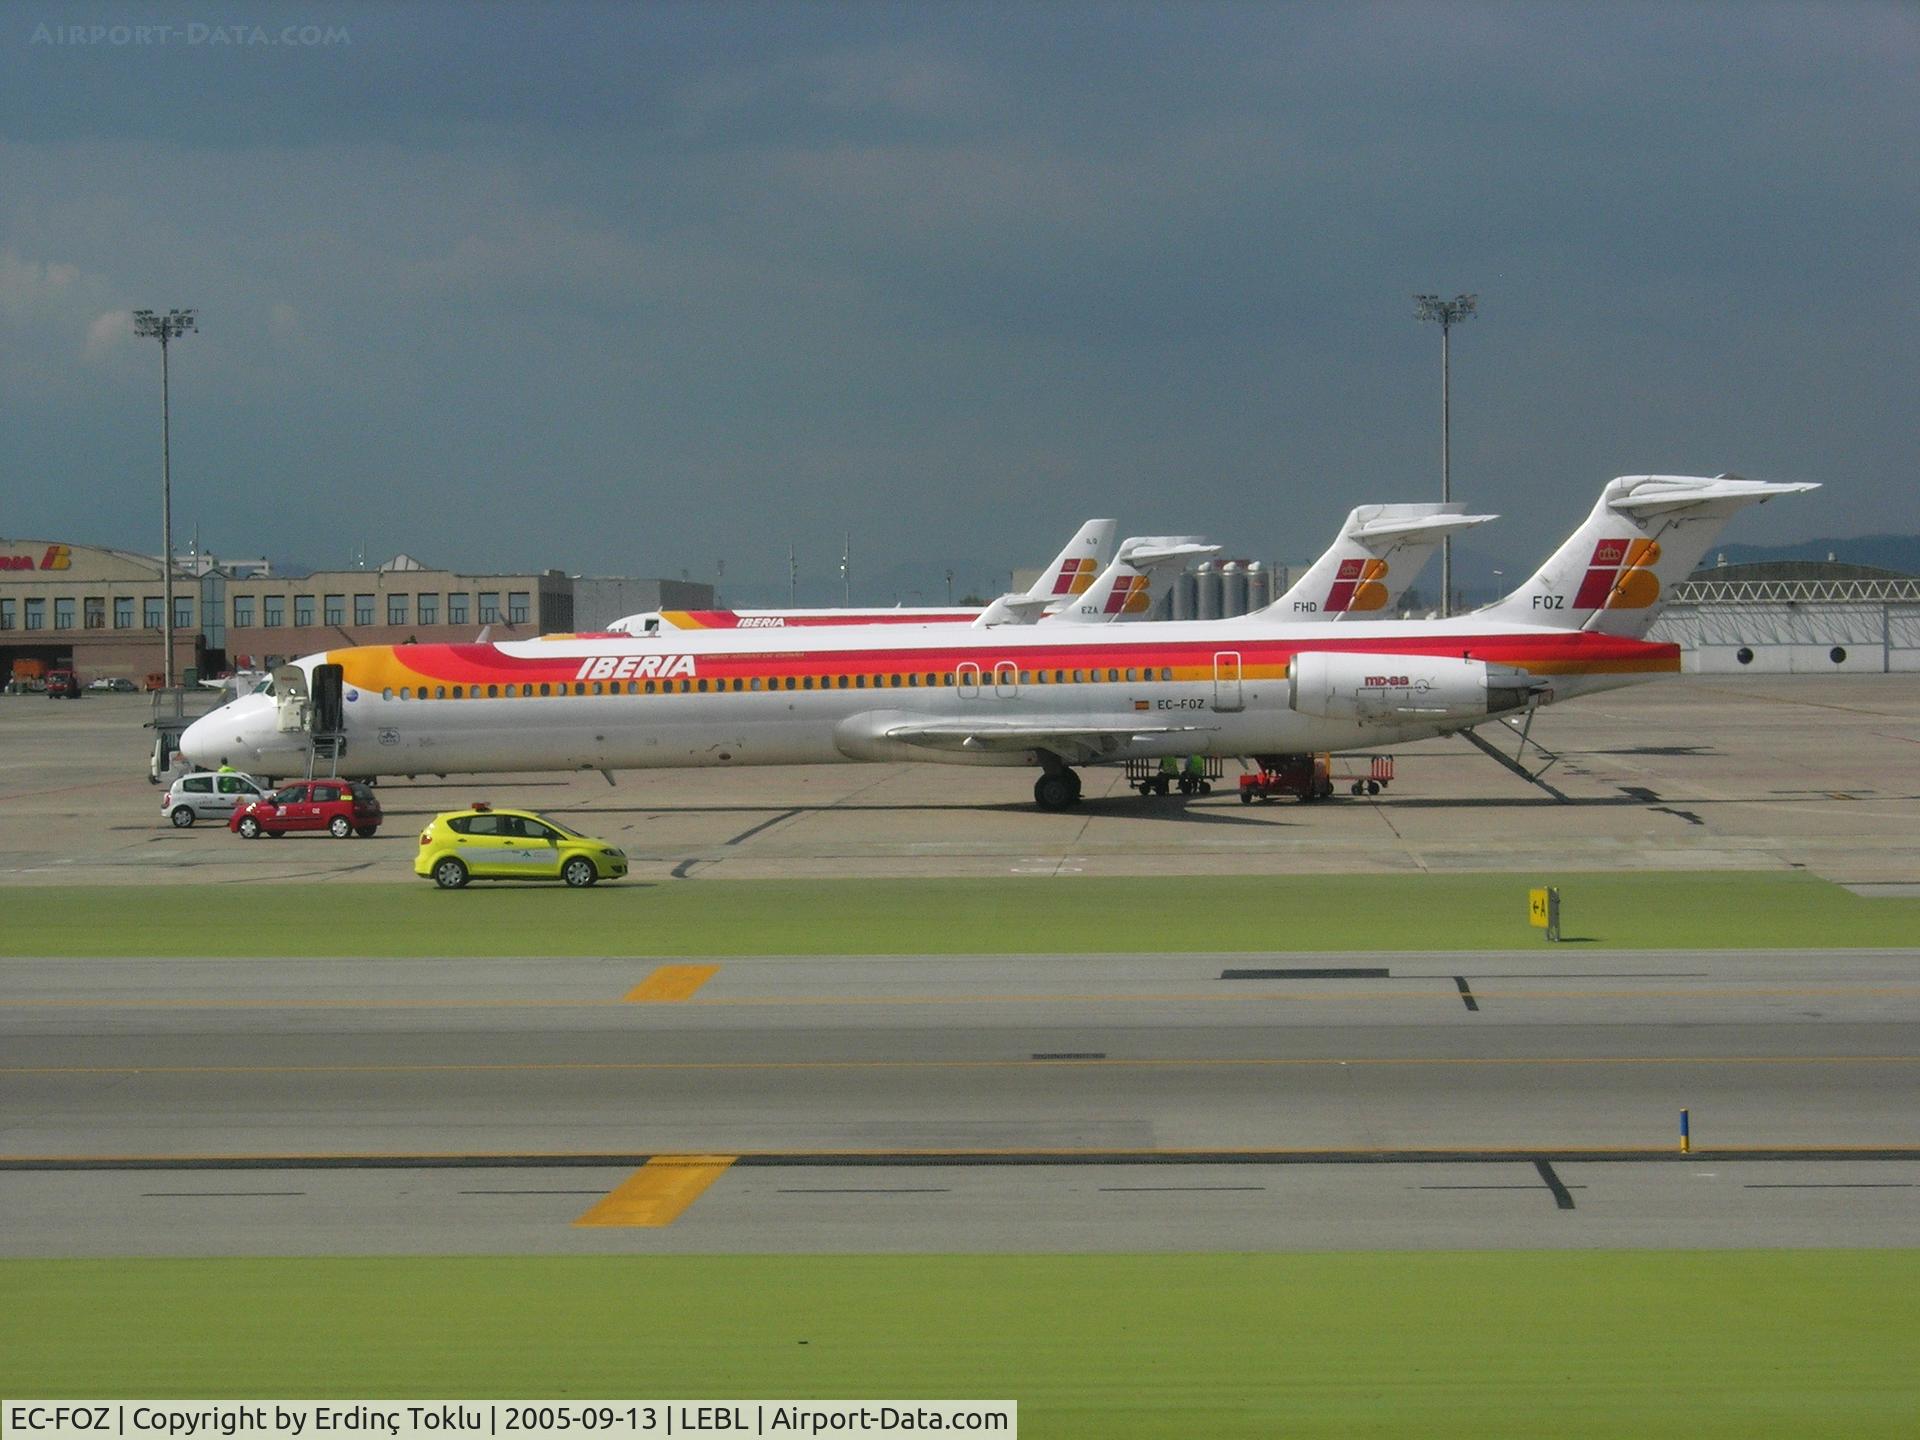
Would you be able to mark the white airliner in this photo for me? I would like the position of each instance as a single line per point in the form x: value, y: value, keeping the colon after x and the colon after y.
x: 1051, y: 697
x: 1071, y: 572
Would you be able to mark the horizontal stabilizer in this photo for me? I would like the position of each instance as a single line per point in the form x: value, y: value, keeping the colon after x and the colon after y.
x: 1427, y: 525
x: 1662, y: 494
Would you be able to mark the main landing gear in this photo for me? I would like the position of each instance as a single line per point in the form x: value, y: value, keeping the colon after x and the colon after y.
x: 1057, y: 789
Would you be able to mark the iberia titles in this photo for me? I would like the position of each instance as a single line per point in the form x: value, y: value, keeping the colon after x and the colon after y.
x: 636, y: 667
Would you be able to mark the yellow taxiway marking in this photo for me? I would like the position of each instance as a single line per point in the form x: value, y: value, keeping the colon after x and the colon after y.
x: 1159, y: 1062
x: 656, y: 1193
x: 673, y: 982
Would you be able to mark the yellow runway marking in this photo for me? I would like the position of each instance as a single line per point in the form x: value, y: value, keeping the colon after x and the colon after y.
x: 656, y: 1193
x: 1167, y: 1062
x: 673, y: 982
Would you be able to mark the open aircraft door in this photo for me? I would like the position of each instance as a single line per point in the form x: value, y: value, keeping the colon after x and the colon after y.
x: 329, y: 711
x: 1227, y: 691
x: 290, y: 696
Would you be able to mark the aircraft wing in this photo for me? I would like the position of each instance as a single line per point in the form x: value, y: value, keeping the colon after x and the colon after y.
x: 1079, y: 743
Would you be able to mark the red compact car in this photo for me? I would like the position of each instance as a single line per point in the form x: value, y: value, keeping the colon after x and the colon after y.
x: 340, y: 807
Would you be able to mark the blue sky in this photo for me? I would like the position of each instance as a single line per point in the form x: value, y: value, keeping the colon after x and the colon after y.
x: 641, y: 288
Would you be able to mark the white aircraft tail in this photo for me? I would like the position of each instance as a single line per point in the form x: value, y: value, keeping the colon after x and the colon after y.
x: 1645, y: 535
x: 1379, y: 552
x: 1124, y: 590
x: 1077, y: 566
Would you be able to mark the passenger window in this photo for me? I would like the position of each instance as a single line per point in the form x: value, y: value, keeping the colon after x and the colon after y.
x: 649, y: 687
x: 756, y: 682
x: 460, y: 824
x: 860, y: 682
x: 932, y: 679
x: 913, y: 679
x: 1113, y: 676
x: 292, y: 795
x: 1059, y: 677
x: 736, y: 687
x: 483, y: 825
x: 493, y: 692
x: 1166, y: 672
x: 456, y: 692
x: 703, y: 687
x: 596, y: 687
x: 806, y: 682
x: 1026, y: 677
x: 1132, y: 674
x: 686, y: 686
x: 439, y: 692
x: 790, y: 682
x: 1079, y: 677
x: 200, y: 785
x: 843, y: 682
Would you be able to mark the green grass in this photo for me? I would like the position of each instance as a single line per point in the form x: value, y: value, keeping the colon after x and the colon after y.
x: 951, y: 916
x: 1560, y: 1343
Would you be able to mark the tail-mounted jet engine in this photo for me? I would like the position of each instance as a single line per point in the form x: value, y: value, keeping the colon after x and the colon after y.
x: 1387, y: 688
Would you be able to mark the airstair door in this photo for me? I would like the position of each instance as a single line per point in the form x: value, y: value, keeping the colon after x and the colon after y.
x: 1227, y: 693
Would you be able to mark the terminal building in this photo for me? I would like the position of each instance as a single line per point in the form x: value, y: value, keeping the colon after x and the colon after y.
x: 100, y: 612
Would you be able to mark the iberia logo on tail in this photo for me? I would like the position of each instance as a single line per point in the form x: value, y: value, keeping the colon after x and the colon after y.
x: 1130, y: 596
x: 1357, y: 586
x: 1620, y: 576
x: 1074, y: 576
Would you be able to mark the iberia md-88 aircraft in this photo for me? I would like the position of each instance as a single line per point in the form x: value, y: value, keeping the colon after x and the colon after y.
x: 1047, y: 697
x: 1071, y: 572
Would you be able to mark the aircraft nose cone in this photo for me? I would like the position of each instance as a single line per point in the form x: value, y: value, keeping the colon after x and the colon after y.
x: 203, y: 741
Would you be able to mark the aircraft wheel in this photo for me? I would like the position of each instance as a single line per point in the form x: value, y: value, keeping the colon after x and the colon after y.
x: 250, y: 828
x: 449, y: 874
x: 1053, y: 792
x: 182, y: 817
x: 1073, y: 779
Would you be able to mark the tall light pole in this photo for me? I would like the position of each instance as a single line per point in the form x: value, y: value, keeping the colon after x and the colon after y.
x: 164, y: 328
x: 1449, y: 313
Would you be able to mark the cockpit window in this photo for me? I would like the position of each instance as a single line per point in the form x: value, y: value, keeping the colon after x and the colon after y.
x: 265, y: 687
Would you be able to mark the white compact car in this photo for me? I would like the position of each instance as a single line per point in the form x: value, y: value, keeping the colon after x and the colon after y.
x: 208, y: 796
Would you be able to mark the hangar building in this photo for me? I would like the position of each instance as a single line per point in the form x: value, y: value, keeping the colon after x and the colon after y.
x: 1794, y: 617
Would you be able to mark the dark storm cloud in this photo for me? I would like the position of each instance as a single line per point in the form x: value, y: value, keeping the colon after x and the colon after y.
x: 641, y: 287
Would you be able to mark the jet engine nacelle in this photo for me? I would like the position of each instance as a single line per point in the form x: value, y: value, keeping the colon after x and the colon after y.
x: 1399, y: 687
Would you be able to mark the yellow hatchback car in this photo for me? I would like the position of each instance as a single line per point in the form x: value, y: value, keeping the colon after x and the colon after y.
x: 488, y: 844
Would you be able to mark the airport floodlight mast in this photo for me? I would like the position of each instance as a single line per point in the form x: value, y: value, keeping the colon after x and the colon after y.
x: 165, y: 328
x: 1448, y: 313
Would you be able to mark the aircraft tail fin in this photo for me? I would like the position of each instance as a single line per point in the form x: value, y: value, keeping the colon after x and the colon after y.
x: 1124, y: 590
x: 1379, y: 552
x: 1077, y: 566
x: 1644, y: 535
